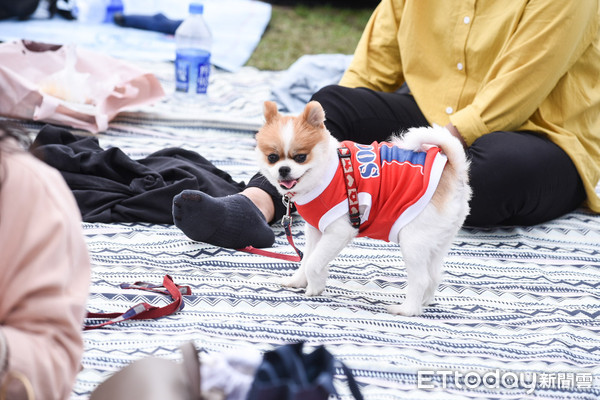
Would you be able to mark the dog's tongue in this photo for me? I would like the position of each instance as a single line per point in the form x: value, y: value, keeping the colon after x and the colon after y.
x: 288, y: 184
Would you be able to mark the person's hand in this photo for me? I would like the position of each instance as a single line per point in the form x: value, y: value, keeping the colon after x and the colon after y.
x: 454, y: 131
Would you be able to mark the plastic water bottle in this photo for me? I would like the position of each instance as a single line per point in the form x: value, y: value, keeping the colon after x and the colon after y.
x: 193, y: 41
x: 113, y: 7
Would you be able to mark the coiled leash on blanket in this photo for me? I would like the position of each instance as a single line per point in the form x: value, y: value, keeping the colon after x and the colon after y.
x: 286, y: 222
x: 145, y: 310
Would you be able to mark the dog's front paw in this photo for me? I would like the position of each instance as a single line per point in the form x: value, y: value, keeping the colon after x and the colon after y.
x: 298, y: 280
x: 314, y: 290
x: 407, y: 309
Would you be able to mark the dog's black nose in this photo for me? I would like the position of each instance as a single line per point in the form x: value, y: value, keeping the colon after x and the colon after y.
x: 284, y: 171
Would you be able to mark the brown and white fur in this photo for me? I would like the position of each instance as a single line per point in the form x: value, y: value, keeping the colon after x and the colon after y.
x: 292, y: 153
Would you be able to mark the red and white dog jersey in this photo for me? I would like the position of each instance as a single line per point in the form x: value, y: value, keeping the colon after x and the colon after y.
x: 394, y: 186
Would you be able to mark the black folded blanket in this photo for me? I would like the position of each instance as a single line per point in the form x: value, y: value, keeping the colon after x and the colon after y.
x: 111, y: 187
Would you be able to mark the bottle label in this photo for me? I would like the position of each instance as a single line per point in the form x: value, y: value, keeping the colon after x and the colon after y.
x: 192, y: 70
x: 203, y: 74
x: 182, y: 75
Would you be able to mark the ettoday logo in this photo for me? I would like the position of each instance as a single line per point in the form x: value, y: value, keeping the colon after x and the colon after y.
x: 499, y: 379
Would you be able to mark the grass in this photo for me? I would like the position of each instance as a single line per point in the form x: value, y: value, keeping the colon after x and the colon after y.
x: 297, y: 30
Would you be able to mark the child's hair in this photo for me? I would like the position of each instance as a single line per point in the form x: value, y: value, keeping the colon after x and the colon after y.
x: 11, y: 130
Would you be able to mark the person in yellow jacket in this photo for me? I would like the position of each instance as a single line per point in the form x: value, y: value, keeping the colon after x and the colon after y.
x: 517, y: 82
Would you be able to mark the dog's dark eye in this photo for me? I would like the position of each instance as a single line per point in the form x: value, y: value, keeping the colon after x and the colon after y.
x: 300, y: 158
x: 273, y: 158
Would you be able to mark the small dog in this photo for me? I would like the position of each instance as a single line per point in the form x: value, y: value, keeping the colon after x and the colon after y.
x: 345, y: 194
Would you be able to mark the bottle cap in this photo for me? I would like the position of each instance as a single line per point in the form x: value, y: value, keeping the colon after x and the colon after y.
x: 196, y: 8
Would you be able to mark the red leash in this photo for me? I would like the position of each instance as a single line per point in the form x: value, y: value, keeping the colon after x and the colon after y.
x: 286, y: 221
x: 145, y: 310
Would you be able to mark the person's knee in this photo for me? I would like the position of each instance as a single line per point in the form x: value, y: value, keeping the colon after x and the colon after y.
x: 486, y: 207
x: 326, y: 94
x: 520, y: 178
x: 338, y: 110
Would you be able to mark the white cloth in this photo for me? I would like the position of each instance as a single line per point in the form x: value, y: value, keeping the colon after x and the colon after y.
x: 307, y: 75
x: 237, y: 27
x: 230, y: 374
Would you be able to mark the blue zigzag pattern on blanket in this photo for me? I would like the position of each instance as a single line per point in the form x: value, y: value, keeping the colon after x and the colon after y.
x: 490, y: 312
x: 522, y: 301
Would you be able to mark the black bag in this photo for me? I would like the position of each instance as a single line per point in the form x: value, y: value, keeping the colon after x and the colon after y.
x: 20, y: 9
x: 23, y: 9
x: 286, y: 373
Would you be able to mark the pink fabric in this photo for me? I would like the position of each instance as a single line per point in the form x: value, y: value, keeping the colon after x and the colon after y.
x: 45, y: 275
x: 68, y: 85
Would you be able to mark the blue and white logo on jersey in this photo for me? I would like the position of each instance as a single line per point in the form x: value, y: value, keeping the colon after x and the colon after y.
x: 367, y: 161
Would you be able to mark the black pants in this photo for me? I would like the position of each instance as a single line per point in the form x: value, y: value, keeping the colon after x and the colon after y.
x: 517, y: 178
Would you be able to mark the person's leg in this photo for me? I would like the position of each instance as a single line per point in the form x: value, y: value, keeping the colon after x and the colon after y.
x: 233, y: 221
x: 364, y: 115
x: 520, y: 178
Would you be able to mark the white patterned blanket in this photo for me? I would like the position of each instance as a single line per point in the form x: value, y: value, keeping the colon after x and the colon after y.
x: 517, y: 315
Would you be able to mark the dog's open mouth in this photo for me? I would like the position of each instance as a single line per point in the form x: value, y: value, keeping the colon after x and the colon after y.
x: 288, y: 183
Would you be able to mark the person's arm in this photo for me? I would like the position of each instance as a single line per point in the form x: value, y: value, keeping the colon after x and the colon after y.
x: 454, y: 131
x: 550, y: 37
x: 376, y: 63
x: 45, y: 278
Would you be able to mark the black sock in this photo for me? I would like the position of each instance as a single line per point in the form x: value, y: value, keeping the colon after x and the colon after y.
x: 232, y: 221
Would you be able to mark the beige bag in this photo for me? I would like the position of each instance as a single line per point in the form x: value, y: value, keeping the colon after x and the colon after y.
x: 68, y: 85
x: 19, y: 379
x: 155, y: 378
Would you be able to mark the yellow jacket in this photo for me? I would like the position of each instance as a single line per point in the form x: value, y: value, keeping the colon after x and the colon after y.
x: 489, y: 65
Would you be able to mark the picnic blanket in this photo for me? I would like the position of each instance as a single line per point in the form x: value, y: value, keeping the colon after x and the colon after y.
x: 517, y: 315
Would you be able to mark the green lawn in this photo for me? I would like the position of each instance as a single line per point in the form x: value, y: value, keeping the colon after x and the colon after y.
x: 301, y: 29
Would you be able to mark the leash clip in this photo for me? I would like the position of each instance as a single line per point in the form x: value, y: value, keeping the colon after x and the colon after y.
x: 286, y: 220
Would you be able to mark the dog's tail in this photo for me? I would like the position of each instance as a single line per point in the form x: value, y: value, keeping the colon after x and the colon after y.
x: 421, y: 139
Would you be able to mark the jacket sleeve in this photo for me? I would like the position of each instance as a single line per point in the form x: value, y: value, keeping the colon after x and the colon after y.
x: 45, y: 280
x: 377, y: 63
x: 549, y: 38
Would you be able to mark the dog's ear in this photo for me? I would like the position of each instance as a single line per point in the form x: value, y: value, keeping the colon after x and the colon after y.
x: 314, y: 114
x: 270, y: 110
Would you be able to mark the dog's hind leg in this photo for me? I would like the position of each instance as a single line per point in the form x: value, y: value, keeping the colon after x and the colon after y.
x: 424, y: 243
x: 434, y: 269
x: 417, y: 259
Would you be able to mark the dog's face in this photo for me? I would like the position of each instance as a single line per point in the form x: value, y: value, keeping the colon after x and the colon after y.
x: 293, y: 150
